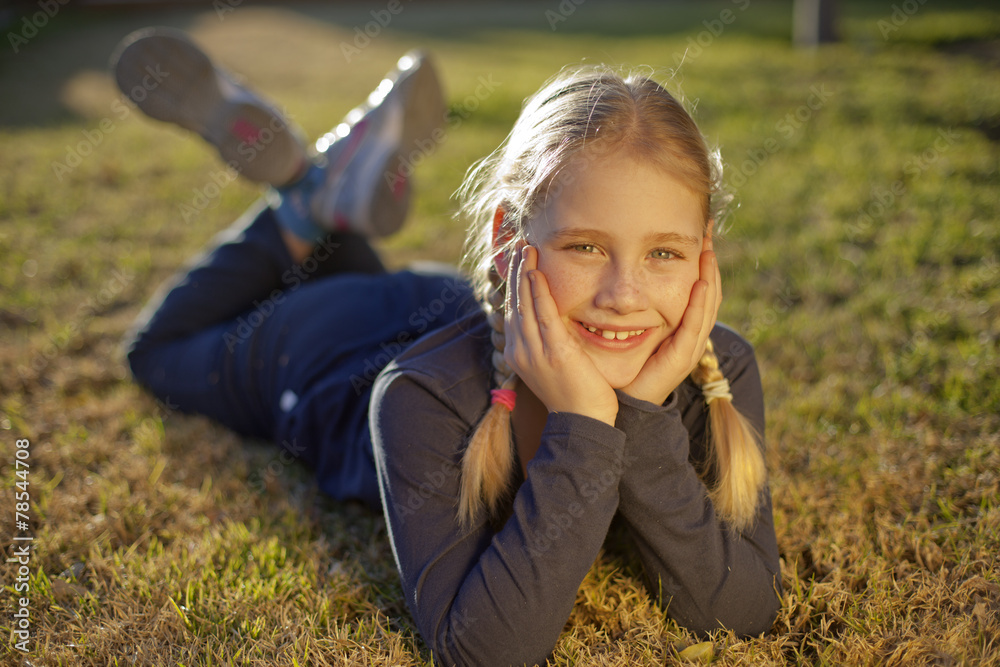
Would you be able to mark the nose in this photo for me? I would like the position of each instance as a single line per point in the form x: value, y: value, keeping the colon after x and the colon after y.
x: 622, y: 289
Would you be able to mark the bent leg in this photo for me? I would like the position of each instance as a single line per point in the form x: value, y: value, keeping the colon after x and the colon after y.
x: 192, y: 345
x: 329, y: 341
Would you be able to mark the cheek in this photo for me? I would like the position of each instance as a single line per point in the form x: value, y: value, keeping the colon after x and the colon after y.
x: 679, y: 289
x: 674, y: 303
x: 673, y: 294
x: 568, y: 285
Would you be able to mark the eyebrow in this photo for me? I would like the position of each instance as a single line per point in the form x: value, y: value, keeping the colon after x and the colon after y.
x: 659, y: 238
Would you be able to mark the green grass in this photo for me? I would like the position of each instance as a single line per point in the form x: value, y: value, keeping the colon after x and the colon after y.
x: 863, y: 262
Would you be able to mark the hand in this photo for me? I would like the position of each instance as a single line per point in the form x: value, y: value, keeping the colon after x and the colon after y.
x: 678, y: 355
x: 542, y: 352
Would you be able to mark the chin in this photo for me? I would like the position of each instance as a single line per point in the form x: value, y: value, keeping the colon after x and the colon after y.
x: 618, y: 375
x: 620, y: 368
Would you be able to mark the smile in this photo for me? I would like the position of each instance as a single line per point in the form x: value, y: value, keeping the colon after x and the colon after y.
x: 614, y: 335
x: 614, y: 339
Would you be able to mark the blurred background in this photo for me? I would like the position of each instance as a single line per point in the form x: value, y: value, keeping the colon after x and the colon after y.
x: 862, y: 259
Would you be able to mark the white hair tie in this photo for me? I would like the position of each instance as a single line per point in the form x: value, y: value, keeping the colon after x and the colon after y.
x: 716, y: 389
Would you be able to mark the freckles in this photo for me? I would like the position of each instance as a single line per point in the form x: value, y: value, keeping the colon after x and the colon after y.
x: 672, y: 290
x: 567, y: 291
x: 673, y: 300
x: 678, y: 291
x: 567, y: 284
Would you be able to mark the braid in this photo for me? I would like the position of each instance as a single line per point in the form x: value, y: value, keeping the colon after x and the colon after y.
x: 734, y: 453
x: 489, y: 458
x: 707, y: 374
x: 501, y: 371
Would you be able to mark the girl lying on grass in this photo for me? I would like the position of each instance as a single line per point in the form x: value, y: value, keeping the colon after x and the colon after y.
x: 579, y: 374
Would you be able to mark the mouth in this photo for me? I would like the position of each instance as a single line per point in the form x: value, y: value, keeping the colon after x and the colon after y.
x: 617, y: 338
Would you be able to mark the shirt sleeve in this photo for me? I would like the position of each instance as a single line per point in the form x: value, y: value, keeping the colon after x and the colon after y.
x: 482, y: 596
x: 706, y: 574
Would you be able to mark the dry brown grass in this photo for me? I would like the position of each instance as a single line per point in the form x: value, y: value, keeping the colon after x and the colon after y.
x: 879, y: 349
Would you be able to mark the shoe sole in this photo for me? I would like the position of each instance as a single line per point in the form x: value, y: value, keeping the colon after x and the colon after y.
x: 423, y: 114
x: 423, y: 111
x: 170, y: 79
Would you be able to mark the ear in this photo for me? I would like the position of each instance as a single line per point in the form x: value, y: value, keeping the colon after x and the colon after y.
x: 501, y: 236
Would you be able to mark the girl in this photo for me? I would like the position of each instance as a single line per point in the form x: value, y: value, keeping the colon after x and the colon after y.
x: 588, y: 378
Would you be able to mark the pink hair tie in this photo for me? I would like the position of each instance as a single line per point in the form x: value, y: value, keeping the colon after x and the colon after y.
x: 505, y: 397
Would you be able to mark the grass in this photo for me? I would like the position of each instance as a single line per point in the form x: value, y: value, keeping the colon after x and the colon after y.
x: 863, y: 262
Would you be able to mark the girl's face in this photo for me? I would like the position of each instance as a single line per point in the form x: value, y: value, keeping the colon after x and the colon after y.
x: 619, y: 241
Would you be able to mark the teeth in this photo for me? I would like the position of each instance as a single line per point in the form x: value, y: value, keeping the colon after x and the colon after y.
x: 614, y: 335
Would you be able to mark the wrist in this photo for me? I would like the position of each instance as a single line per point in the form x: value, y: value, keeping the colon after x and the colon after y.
x: 655, y: 398
x: 607, y: 415
x: 627, y: 401
x: 606, y: 419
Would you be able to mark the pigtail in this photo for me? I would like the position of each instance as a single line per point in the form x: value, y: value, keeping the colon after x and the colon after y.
x: 489, y: 457
x: 734, y: 452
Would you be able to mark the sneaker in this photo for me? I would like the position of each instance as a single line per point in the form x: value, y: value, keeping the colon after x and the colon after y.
x: 365, y: 184
x: 170, y: 79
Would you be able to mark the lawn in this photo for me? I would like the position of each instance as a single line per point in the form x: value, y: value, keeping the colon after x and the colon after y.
x: 863, y: 262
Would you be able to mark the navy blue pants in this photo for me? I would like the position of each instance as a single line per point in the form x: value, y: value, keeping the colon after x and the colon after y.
x: 288, y: 352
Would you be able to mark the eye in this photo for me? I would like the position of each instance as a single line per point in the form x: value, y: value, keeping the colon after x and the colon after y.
x: 663, y: 253
x: 583, y: 247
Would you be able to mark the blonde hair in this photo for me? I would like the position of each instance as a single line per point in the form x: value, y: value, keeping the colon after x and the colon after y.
x: 576, y: 115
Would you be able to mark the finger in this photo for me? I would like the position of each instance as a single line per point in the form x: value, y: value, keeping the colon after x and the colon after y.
x: 709, y: 245
x: 708, y: 267
x: 689, y: 339
x: 546, y: 312
x: 514, y: 306
x: 709, y: 272
x: 718, y: 285
x: 510, y: 298
x: 526, y: 303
